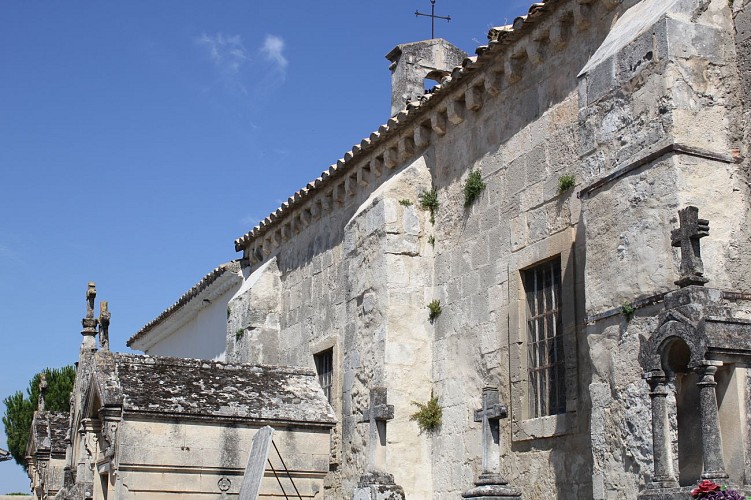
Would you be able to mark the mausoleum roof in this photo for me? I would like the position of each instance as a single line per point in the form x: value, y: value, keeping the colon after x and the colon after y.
x: 49, y: 430
x: 217, y: 277
x: 500, y: 40
x: 198, y: 388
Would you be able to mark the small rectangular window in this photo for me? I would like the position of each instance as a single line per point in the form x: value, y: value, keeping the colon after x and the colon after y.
x: 325, y: 368
x: 545, y: 359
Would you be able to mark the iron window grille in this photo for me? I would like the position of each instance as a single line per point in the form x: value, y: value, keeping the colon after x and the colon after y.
x: 545, y: 355
x: 325, y: 368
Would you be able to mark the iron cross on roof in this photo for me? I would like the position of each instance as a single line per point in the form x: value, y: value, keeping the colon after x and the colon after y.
x: 432, y: 17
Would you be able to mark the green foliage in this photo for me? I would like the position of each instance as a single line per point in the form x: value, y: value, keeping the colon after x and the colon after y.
x: 429, y: 201
x: 435, y: 309
x: 229, y: 311
x: 566, y: 182
x: 428, y: 415
x: 627, y: 309
x: 473, y: 187
x: 19, y: 410
x: 431, y: 240
x: 239, y: 334
x: 405, y: 203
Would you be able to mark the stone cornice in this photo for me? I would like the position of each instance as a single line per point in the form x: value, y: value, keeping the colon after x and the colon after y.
x: 496, y: 67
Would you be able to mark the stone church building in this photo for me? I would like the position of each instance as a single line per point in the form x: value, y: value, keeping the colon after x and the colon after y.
x: 553, y: 242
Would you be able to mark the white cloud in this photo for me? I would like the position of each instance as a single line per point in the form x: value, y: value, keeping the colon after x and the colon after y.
x: 235, y: 66
x: 228, y: 54
x: 272, y: 50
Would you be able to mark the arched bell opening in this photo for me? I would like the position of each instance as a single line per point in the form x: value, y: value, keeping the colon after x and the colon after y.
x: 434, y: 78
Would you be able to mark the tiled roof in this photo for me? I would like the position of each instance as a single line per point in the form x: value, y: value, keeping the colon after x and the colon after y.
x: 206, y: 281
x: 58, y: 425
x: 49, y: 430
x: 498, y: 39
x: 198, y: 388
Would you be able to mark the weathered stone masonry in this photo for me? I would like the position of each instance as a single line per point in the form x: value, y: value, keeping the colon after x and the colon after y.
x: 644, y: 104
x: 640, y: 102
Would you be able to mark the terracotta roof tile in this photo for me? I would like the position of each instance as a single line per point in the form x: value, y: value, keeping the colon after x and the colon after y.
x: 497, y: 36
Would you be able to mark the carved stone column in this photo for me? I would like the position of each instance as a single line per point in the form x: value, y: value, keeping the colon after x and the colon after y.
x: 711, y: 439
x: 664, y: 475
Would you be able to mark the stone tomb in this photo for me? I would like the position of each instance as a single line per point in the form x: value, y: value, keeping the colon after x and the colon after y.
x: 157, y: 428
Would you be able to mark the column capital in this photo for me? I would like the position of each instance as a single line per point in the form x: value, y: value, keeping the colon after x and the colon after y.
x: 707, y: 370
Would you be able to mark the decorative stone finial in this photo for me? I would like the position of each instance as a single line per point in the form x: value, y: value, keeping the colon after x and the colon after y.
x: 42, y: 392
x: 89, y: 322
x: 104, y: 325
x: 687, y: 236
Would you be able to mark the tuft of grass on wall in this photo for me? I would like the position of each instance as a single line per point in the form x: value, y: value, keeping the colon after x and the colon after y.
x: 429, y: 201
x: 473, y: 187
x: 428, y: 415
x: 434, y: 310
x: 405, y: 203
x: 628, y: 310
x: 566, y: 182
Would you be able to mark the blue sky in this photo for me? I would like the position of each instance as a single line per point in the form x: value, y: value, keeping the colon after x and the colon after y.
x: 138, y: 139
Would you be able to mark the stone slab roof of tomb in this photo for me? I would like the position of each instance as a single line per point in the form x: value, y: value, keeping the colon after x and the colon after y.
x: 192, y: 388
x: 401, y: 138
x: 187, y: 306
x: 48, y: 431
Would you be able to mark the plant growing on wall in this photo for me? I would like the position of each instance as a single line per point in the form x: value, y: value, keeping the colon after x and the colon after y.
x: 431, y: 240
x: 566, y: 182
x: 473, y: 187
x: 429, y: 201
x: 239, y: 334
x: 405, y: 202
x: 628, y: 309
x: 434, y: 310
x: 428, y: 415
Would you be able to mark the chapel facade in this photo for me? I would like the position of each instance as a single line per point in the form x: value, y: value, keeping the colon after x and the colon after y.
x: 553, y: 243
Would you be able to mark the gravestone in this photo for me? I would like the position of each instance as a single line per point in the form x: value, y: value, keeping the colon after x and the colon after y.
x: 259, y: 454
x: 491, y: 485
x: 376, y: 483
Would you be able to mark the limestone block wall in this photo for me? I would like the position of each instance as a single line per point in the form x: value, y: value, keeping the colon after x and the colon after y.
x: 660, y: 134
x: 638, y: 101
x: 192, y: 457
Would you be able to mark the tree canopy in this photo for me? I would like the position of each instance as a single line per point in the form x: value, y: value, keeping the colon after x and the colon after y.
x: 19, y: 410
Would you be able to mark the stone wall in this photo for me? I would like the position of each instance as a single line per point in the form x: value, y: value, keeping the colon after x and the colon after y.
x: 639, y: 101
x: 190, y: 459
x: 661, y: 135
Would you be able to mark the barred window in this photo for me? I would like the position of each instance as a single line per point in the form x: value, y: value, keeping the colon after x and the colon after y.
x: 325, y: 368
x: 545, y: 360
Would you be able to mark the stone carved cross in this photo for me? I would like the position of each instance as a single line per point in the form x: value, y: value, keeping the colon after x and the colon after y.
x: 687, y: 236
x: 490, y: 484
x: 490, y: 414
x: 377, y: 414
